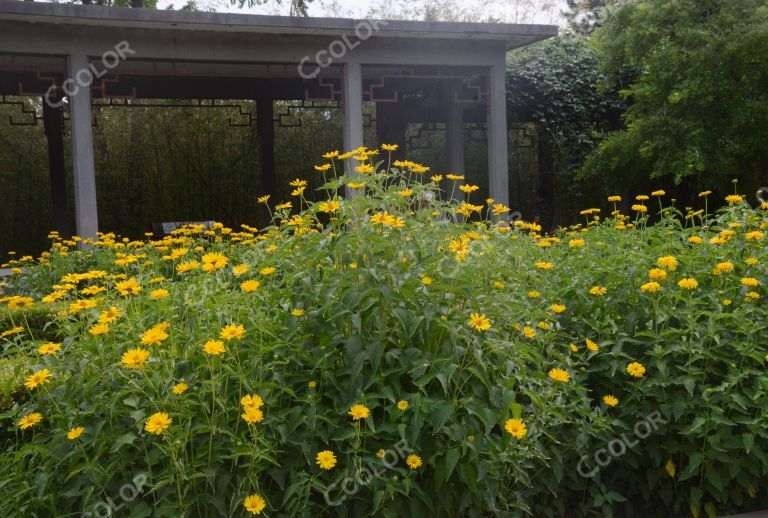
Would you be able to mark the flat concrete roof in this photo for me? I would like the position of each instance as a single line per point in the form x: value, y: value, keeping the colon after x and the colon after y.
x: 100, y: 16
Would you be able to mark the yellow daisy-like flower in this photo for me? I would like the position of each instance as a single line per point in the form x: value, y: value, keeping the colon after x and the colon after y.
x: 268, y: 270
x: 326, y: 459
x: 725, y: 266
x: 157, y: 423
x: 381, y: 453
x: 543, y: 265
x: 252, y: 415
x: 479, y: 322
x: 614, y: 198
x: 559, y: 375
x: 13, y: 331
x: 534, y: 294
x: 99, y: 329
x: 657, y: 274
x: 232, y: 332
x: 159, y: 294
x: 732, y: 199
x: 155, y: 334
x: 610, y: 400
x: 180, y: 388
x: 592, y: 346
x: 359, y: 411
x: 214, y: 347
x: 252, y: 401
x: 557, y: 308
x: 214, y: 261
x: 135, y: 359
x: 598, y: 291
x: 75, y: 432
x: 688, y: 283
x: 110, y: 315
x: 650, y: 287
x: 249, y: 286
x: 529, y: 332
x: 41, y: 377
x: 750, y: 281
x: 636, y: 369
x: 413, y: 461
x: 426, y: 281
x: 239, y: 269
x: 402, y: 405
x: 297, y: 312
x: 667, y: 262
x: 356, y: 185
x: 516, y: 427
x: 30, y: 420
x: 637, y: 207
x: 50, y: 348
x: 576, y: 243
x: 128, y: 287
x: 254, y: 504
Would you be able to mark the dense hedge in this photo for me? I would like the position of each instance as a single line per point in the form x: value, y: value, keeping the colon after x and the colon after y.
x: 611, y: 368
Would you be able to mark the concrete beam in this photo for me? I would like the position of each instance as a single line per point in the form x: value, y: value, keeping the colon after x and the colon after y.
x: 498, y: 173
x: 83, y: 170
x: 454, y: 142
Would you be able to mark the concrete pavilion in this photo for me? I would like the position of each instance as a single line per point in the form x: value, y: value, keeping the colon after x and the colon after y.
x: 451, y: 73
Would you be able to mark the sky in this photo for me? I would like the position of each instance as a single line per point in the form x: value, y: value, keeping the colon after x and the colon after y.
x: 514, y: 11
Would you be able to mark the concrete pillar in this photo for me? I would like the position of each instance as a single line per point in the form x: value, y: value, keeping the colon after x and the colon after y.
x: 498, y: 175
x: 83, y: 170
x: 454, y: 142
x: 353, y: 110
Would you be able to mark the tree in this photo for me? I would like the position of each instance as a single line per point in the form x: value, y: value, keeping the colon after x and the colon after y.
x: 557, y: 85
x: 695, y: 74
x: 584, y: 15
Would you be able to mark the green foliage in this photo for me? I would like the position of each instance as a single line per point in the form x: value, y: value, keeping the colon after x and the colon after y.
x: 584, y: 16
x: 694, y: 73
x: 373, y: 331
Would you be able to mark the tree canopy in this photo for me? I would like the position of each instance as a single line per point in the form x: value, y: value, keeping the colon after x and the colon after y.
x: 694, y: 73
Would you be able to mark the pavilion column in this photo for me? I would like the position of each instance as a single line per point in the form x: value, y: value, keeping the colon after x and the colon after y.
x: 53, y: 122
x: 83, y: 170
x: 454, y: 142
x: 353, y: 109
x: 265, y: 114
x: 498, y: 175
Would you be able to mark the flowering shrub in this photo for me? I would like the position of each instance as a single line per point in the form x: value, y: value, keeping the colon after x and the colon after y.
x: 391, y: 353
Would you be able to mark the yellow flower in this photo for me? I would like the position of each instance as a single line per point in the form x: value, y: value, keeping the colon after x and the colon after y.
x: 128, y: 287
x: 180, y: 388
x: 733, y: 198
x: 516, y: 427
x: 389, y: 147
x: 75, y: 432
x: 658, y: 193
x: 576, y: 243
x: 268, y: 270
x: 557, y: 308
x: 232, y: 332
x: 405, y: 193
x: 695, y: 239
x: 559, y: 375
x: 158, y: 294
x: 636, y: 369
x: 543, y: 265
x: 650, y: 287
x: 249, y: 286
x: 187, y: 266
x: 214, y: 347
x: 529, y: 332
x: 381, y: 453
x: 38, y: 378
x: 725, y: 266
x: 326, y: 459
x: 157, y: 423
x: 750, y: 281
x: 426, y: 281
x: 49, y: 348
x: 639, y: 208
x: 413, y: 461
x: 479, y: 322
x: 667, y: 262
x: 455, y: 177
x: 214, y: 261
x: 239, y: 269
x: 610, y: 400
x: 598, y: 291
x: 704, y: 194
x: 614, y: 198
x: 657, y: 274
x: 688, y: 283
x: 402, y: 405
x: 312, y: 384
x: 135, y: 358
x: 436, y: 178
x: 254, y: 504
x: 592, y: 346
x: 252, y: 415
x: 263, y: 199
x: 30, y: 420
x: 329, y: 206
x: 356, y: 185
x: 573, y: 347
x: 756, y: 235
x: 99, y: 329
x: 297, y: 312
x: 468, y: 188
x: 359, y: 411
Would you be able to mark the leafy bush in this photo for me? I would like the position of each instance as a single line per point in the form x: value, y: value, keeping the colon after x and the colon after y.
x: 393, y: 354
